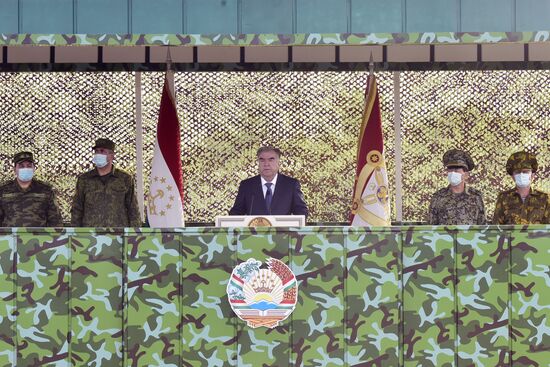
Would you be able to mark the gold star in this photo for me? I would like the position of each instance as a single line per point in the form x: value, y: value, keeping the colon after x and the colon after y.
x: 171, y: 198
x: 163, y: 180
x: 169, y: 187
x: 168, y: 206
x: 162, y: 213
x: 156, y: 179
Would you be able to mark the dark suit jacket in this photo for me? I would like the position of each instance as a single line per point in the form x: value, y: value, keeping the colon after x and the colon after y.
x: 287, y: 198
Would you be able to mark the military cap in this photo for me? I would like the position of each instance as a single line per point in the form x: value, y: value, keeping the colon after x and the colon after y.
x: 23, y: 156
x: 457, y: 157
x: 104, y: 143
x: 521, y: 160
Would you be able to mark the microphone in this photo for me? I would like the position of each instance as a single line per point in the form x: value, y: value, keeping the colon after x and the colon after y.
x: 251, y: 205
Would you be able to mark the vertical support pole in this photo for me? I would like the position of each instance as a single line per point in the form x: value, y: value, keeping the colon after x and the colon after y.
x: 398, y: 156
x: 139, y: 147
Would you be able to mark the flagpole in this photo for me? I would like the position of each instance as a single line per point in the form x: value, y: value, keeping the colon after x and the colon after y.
x: 371, y: 65
x: 170, y: 73
x: 371, y: 206
x: 398, y: 154
x: 165, y: 198
x: 371, y: 72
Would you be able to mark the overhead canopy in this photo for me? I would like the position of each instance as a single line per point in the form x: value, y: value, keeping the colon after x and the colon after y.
x: 337, y: 51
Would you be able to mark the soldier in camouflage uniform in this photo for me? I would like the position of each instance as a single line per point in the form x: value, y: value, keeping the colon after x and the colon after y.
x: 105, y: 196
x: 457, y: 203
x: 522, y: 205
x: 26, y: 201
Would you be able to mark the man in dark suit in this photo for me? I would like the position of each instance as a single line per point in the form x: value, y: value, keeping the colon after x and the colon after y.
x: 269, y: 193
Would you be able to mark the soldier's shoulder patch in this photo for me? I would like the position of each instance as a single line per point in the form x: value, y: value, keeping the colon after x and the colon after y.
x: 262, y: 294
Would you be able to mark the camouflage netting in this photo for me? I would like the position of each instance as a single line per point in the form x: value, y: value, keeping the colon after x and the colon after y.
x: 313, y: 117
x: 58, y: 116
x: 491, y: 114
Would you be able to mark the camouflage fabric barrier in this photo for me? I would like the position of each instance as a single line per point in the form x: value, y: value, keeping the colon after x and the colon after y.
x: 399, y: 296
x: 270, y: 39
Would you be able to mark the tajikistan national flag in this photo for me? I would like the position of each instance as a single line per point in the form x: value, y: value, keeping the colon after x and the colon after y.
x: 165, y: 199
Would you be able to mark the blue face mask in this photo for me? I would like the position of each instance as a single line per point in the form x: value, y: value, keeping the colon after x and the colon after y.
x: 522, y: 179
x: 25, y: 174
x: 454, y: 178
x: 100, y: 160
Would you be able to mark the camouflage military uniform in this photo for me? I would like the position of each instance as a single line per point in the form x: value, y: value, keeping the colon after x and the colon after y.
x: 105, y: 201
x: 446, y: 207
x: 510, y: 209
x: 35, y: 206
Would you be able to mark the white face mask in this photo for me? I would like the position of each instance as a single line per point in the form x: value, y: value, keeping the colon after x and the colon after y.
x: 454, y: 178
x: 25, y: 174
x: 522, y: 179
x: 100, y: 160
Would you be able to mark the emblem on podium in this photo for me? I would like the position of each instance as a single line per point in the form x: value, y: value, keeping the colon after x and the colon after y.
x: 262, y: 294
x: 260, y: 222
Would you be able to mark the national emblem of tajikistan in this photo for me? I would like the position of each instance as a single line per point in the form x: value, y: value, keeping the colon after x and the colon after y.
x: 262, y: 295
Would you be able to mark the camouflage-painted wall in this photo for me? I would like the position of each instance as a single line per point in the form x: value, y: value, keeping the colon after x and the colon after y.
x: 536, y: 39
x: 271, y: 16
x: 401, y: 296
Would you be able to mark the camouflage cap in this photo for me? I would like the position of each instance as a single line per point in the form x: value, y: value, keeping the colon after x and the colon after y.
x: 521, y: 160
x: 23, y: 156
x: 104, y: 143
x: 457, y: 157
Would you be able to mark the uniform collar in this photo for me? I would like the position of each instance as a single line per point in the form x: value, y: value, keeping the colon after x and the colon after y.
x: 113, y: 172
x: 532, y: 192
x: 19, y: 188
x: 466, y: 190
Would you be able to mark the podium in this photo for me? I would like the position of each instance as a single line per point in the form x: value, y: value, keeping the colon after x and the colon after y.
x: 260, y: 221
